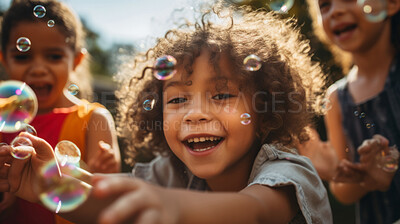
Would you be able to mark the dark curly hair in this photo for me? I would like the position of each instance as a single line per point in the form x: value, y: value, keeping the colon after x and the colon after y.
x: 286, y: 69
x: 66, y: 21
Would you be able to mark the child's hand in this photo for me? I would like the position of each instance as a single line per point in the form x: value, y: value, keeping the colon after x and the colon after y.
x: 371, y: 157
x: 104, y: 161
x: 7, y: 202
x: 138, y: 201
x: 18, y: 176
x: 348, y: 172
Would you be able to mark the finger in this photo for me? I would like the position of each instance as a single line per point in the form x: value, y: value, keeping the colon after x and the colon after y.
x: 114, y: 185
x: 149, y: 216
x: 109, y: 166
x: 368, y: 146
x: 105, y: 146
x: 4, y: 185
x: 4, y: 149
x: 381, y: 140
x: 125, y: 207
x: 5, y: 168
x: 43, y: 149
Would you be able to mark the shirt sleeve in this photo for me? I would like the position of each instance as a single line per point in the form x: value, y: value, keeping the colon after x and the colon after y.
x: 277, y: 168
x: 160, y: 171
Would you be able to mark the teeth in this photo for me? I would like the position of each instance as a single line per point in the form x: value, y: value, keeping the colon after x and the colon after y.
x: 203, y: 139
x: 202, y: 150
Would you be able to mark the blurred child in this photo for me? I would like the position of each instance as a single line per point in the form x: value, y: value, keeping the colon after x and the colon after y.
x: 364, y: 118
x: 50, y: 65
x: 217, y: 167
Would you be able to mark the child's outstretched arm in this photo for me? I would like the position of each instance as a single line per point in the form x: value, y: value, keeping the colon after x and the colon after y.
x: 102, y: 158
x: 146, y: 203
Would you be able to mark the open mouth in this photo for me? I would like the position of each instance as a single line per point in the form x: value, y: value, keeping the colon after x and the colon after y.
x: 41, y: 90
x: 201, y: 144
x: 344, y: 29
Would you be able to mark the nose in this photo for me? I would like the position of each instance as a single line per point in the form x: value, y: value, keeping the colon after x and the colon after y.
x: 337, y: 9
x: 38, y: 68
x: 198, y: 112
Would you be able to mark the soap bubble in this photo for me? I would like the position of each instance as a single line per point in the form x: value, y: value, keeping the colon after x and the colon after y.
x: 60, y: 187
x: 245, y: 119
x: 39, y: 11
x: 18, y: 105
x: 281, y: 6
x: 21, y: 148
x: 252, y: 63
x: 73, y: 89
x: 148, y: 104
x: 326, y: 105
x: 51, y: 23
x: 67, y: 152
x: 389, y: 162
x: 30, y: 129
x: 23, y: 44
x: 164, y: 67
x: 374, y: 10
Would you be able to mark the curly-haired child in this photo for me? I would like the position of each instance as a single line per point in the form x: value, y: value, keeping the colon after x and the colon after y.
x: 223, y: 135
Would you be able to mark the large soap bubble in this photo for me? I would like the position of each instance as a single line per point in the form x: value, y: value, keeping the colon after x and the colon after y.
x: 18, y: 105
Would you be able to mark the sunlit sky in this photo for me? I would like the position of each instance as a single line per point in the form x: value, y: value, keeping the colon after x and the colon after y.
x: 125, y: 21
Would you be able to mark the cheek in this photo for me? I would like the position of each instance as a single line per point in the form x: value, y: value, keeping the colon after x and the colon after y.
x: 171, y: 125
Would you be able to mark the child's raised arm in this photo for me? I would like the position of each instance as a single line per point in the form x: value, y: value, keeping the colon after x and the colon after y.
x: 102, y: 158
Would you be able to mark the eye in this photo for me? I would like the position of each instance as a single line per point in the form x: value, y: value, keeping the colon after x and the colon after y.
x: 222, y: 96
x: 324, y: 6
x: 177, y: 100
x: 55, y: 57
x: 21, y: 57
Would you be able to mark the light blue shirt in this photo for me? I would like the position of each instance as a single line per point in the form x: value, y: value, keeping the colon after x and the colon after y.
x: 272, y: 167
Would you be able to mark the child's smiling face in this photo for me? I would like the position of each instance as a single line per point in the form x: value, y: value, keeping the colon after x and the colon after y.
x: 203, y: 124
x: 346, y: 25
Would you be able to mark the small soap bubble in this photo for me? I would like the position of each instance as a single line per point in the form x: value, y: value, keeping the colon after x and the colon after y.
x: 326, y: 105
x: 362, y: 115
x: 281, y: 6
x: 61, y: 191
x: 164, y: 67
x: 73, y: 89
x: 23, y: 44
x: 245, y: 119
x: 67, y: 152
x: 30, y: 129
x: 18, y: 105
x: 389, y: 162
x: 356, y: 113
x: 51, y: 23
x: 149, y: 104
x: 374, y: 10
x: 21, y: 148
x: 252, y: 63
x: 39, y: 11
x: 368, y: 125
